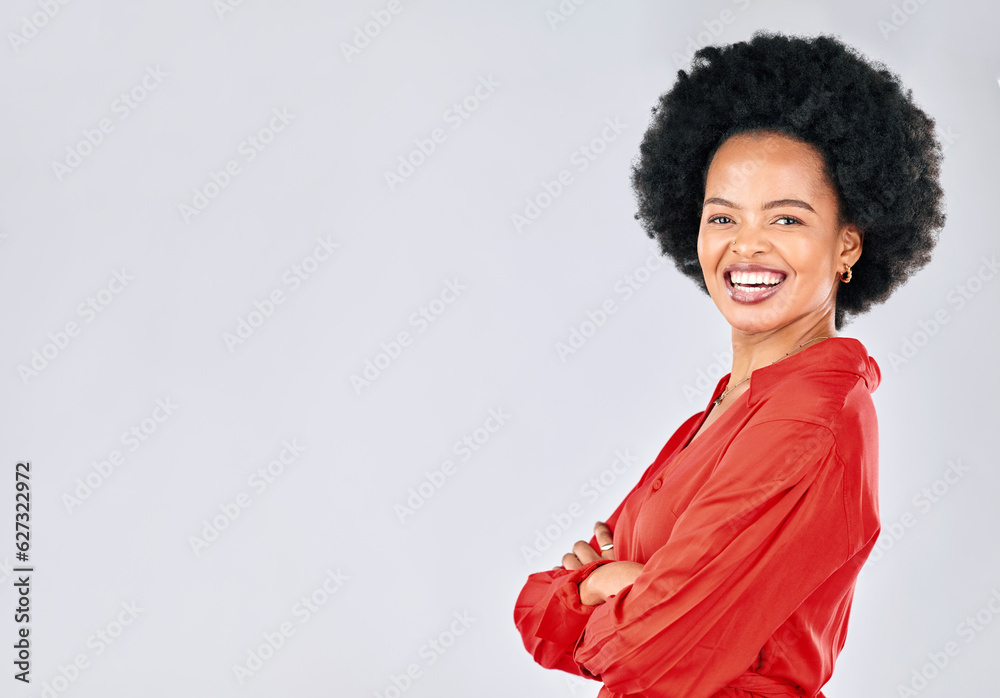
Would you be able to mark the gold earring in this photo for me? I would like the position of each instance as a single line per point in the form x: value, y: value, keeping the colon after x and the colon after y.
x: 846, y: 275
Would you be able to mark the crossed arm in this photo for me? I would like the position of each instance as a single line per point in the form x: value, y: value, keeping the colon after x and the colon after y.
x: 781, y: 506
x: 606, y: 580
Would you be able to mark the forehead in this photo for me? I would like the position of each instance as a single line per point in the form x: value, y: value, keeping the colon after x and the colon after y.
x: 767, y: 160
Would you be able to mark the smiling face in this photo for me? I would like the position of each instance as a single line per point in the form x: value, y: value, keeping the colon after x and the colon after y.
x: 768, y: 193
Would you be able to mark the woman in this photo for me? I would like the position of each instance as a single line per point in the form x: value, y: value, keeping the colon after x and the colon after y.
x: 797, y: 183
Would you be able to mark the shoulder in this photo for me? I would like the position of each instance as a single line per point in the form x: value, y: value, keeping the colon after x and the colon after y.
x: 829, y: 385
x: 830, y: 392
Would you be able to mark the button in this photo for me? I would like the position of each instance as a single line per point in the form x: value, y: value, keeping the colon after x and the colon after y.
x: 656, y: 484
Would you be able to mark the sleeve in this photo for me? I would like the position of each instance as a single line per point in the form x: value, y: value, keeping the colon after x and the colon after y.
x: 770, y: 525
x: 550, y: 617
x: 548, y: 613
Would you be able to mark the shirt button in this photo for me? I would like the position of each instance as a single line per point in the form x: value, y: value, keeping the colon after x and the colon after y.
x: 656, y: 484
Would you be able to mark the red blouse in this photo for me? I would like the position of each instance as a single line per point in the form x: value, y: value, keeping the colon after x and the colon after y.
x: 751, y: 538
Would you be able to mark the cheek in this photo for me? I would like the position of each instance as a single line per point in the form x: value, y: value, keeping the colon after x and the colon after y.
x: 711, y: 250
x: 810, y: 260
x: 815, y: 269
x: 705, y: 250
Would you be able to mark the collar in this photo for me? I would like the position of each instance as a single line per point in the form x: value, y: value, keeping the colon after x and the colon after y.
x: 844, y: 354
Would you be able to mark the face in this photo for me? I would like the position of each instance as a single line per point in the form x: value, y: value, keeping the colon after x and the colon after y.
x: 767, y: 193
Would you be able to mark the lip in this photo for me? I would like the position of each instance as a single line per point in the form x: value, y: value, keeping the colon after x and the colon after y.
x: 751, y: 297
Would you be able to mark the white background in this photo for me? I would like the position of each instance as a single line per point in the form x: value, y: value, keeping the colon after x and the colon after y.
x: 162, y: 337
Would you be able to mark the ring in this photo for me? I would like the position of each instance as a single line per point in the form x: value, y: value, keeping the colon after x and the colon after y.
x: 609, y: 546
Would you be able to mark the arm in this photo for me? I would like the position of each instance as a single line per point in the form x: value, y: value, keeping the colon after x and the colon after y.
x: 555, y: 606
x: 550, y: 616
x: 549, y: 613
x: 769, y: 527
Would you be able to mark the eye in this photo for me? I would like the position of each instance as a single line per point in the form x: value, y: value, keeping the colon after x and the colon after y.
x: 788, y: 218
x: 716, y: 218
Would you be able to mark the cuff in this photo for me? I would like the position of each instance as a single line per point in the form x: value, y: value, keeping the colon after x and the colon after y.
x: 565, y: 617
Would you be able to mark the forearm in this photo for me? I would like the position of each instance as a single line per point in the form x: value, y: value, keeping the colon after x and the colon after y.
x: 607, y: 581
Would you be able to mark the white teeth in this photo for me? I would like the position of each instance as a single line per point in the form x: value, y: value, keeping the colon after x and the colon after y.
x: 744, y: 278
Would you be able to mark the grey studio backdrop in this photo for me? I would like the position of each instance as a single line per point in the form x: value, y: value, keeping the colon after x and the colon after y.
x: 325, y: 324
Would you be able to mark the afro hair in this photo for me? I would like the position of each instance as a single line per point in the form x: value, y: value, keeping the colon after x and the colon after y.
x: 880, y: 150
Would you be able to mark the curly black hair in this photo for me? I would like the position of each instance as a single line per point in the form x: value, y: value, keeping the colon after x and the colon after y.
x: 880, y: 150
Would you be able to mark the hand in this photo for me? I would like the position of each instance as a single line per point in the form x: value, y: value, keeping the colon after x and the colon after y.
x: 584, y: 553
x: 606, y: 580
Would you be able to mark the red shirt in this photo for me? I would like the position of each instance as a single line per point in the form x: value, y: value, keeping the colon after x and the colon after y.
x: 751, y: 537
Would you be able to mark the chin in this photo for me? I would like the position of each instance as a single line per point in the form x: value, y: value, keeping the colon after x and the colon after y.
x: 781, y: 310
x: 750, y: 325
x: 750, y: 318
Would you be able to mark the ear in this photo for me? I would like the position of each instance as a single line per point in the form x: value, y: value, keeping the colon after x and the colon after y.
x: 851, y: 241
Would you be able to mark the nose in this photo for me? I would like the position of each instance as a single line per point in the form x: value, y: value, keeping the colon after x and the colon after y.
x: 749, y: 238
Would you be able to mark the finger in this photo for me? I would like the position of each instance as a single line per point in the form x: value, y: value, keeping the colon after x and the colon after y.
x: 571, y: 561
x: 584, y: 552
x: 605, y: 538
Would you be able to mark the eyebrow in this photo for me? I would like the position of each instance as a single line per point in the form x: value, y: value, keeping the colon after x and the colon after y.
x: 798, y: 203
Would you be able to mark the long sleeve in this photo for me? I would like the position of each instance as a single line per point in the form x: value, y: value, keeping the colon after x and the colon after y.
x: 550, y: 617
x: 777, y: 518
x: 548, y: 613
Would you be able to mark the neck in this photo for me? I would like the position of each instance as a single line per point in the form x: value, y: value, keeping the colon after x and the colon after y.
x: 753, y: 350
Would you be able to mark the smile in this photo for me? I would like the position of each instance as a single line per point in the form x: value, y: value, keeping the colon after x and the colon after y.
x: 751, y: 287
